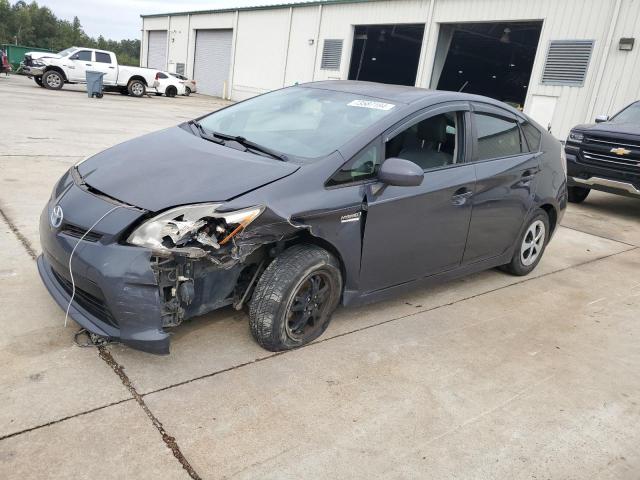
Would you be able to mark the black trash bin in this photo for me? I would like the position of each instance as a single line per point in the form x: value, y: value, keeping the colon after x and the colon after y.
x: 94, y: 83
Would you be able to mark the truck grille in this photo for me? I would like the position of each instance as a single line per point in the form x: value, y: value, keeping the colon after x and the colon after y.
x: 92, y: 304
x: 598, y: 152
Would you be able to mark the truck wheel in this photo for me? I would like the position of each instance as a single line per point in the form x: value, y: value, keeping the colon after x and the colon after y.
x: 578, y: 194
x: 53, y: 80
x: 295, y: 298
x: 531, y: 245
x: 38, y: 81
x: 136, y: 88
x: 171, y: 92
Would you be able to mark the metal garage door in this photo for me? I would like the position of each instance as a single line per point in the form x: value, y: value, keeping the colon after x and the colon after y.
x: 157, y: 53
x: 212, y: 60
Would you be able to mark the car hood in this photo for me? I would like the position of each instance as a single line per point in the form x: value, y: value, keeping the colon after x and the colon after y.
x: 174, y: 167
x: 40, y: 55
x: 610, y: 127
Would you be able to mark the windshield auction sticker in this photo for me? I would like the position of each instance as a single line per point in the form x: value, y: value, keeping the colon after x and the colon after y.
x: 370, y: 104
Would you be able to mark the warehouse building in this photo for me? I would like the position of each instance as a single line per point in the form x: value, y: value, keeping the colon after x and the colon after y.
x: 561, y: 61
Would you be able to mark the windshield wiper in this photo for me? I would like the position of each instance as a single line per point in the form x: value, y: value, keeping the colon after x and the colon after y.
x: 204, y: 134
x: 252, y: 145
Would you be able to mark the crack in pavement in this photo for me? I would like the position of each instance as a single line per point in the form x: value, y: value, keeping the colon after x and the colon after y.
x: 23, y: 240
x: 68, y: 417
x: 169, y: 441
x: 599, y: 236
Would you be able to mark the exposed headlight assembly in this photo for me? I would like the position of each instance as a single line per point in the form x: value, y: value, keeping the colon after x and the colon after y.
x: 192, y: 230
x: 576, y: 137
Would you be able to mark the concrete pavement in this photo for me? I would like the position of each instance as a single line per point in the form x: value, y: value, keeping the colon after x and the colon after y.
x: 490, y: 376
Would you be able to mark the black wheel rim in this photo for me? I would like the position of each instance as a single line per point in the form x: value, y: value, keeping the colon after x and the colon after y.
x: 309, y: 308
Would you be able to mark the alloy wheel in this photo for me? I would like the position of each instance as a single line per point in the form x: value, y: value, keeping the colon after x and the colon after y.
x: 308, y: 309
x: 136, y: 88
x: 53, y: 80
x: 532, y: 243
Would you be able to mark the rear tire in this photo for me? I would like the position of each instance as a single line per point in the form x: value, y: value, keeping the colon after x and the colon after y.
x: 187, y: 91
x: 53, y: 80
x: 295, y: 297
x: 171, y: 92
x: 578, y: 194
x: 136, y: 88
x: 38, y: 81
x: 531, y: 245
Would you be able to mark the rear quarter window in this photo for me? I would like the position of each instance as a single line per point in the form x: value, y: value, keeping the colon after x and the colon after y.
x: 532, y: 136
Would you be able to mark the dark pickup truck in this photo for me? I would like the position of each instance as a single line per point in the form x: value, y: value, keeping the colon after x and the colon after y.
x: 605, y: 156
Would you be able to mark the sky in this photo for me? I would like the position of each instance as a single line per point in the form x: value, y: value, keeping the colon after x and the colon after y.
x: 119, y: 19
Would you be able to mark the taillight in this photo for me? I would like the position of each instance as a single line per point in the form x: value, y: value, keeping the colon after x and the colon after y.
x: 157, y: 75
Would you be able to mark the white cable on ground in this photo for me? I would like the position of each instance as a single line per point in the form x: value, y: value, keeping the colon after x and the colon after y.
x: 73, y: 283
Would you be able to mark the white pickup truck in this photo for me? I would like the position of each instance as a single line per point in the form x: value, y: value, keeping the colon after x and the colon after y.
x: 53, y: 70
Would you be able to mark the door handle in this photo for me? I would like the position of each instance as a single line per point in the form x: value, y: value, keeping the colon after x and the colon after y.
x: 460, y: 197
x: 88, y: 64
x: 112, y: 67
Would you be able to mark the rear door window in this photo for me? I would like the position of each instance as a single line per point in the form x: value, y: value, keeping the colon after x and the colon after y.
x: 103, y: 57
x: 497, y: 137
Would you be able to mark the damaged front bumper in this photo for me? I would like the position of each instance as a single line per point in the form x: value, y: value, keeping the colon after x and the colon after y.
x: 123, y: 292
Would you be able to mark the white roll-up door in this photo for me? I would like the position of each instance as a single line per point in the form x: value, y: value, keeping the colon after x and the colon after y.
x: 212, y: 61
x: 157, y: 53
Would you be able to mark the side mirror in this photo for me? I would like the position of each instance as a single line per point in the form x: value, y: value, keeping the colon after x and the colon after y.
x: 602, y: 118
x: 401, y: 173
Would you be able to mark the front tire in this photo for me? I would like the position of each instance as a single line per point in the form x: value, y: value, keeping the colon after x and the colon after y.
x: 577, y: 194
x: 295, y: 298
x: 53, y: 80
x: 136, y: 88
x: 531, y: 245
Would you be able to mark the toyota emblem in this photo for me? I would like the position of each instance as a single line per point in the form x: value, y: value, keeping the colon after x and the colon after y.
x: 56, y: 216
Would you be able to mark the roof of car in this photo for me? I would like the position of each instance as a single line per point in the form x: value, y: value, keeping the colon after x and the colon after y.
x: 383, y: 91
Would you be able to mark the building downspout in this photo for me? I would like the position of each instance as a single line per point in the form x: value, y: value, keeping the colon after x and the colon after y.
x: 605, y: 56
x: 286, y: 53
x: 166, y: 58
x: 317, y: 41
x: 186, y: 62
x: 229, y: 91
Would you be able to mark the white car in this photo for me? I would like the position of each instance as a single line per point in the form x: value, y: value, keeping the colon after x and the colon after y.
x: 53, y: 70
x: 189, y: 85
x: 169, y: 85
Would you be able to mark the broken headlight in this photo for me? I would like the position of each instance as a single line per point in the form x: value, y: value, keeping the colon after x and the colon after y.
x: 192, y: 230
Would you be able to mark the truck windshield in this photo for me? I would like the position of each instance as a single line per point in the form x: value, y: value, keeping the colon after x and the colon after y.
x: 300, y: 121
x: 67, y: 51
x: 631, y: 114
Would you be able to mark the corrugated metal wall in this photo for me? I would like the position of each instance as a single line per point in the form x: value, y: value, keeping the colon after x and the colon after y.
x: 272, y: 47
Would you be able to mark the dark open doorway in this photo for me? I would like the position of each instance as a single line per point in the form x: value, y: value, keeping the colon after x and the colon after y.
x: 491, y: 59
x: 386, y: 53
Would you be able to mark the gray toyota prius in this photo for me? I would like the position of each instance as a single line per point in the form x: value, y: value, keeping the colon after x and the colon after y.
x: 294, y: 202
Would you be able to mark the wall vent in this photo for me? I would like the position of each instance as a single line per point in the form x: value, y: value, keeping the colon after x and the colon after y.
x: 331, y: 54
x: 567, y: 62
x: 180, y: 68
